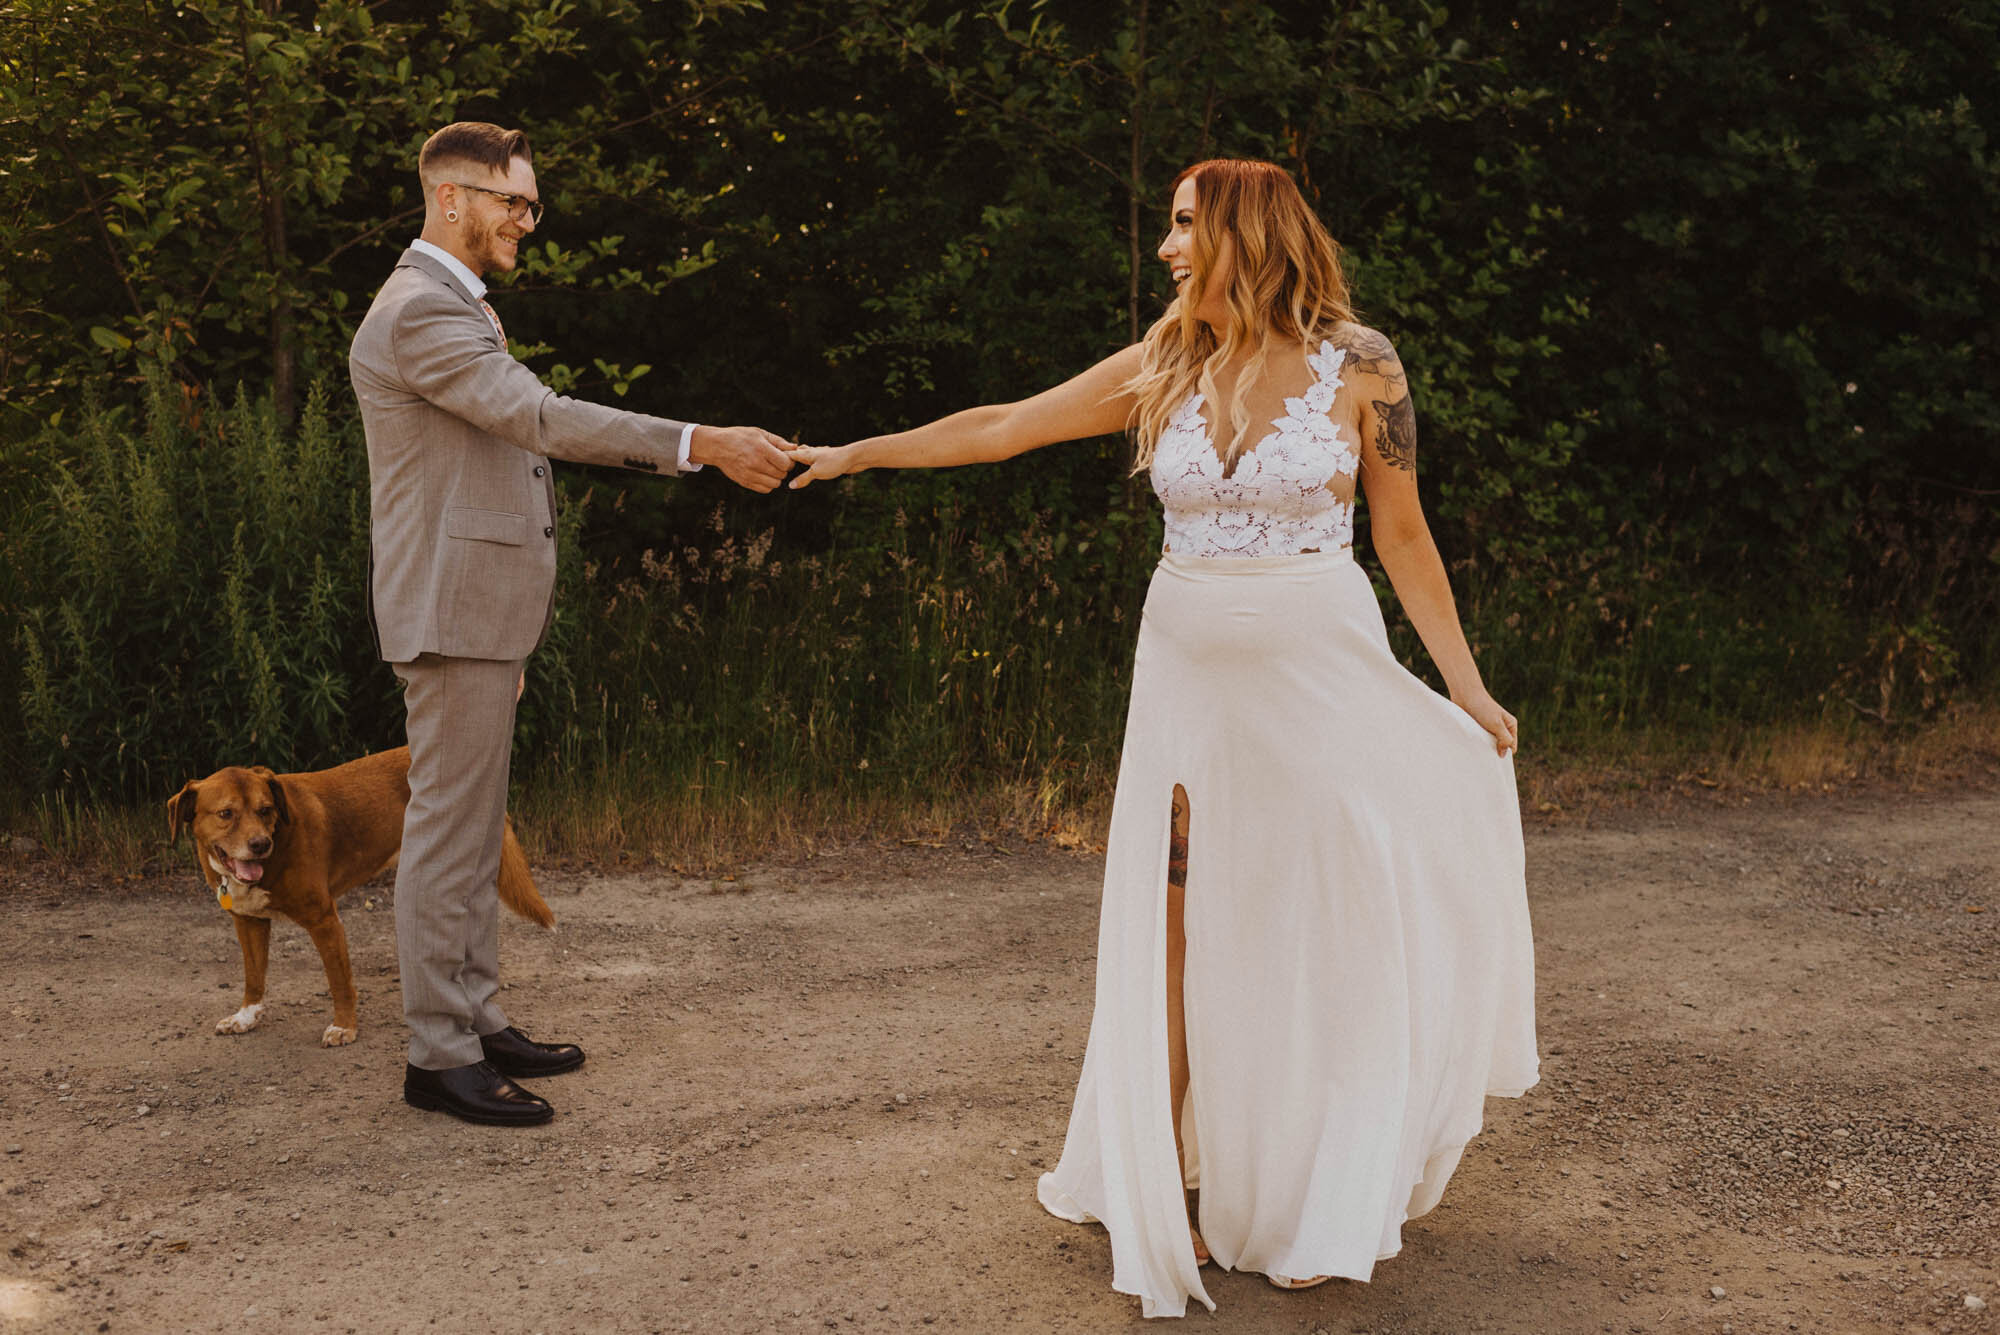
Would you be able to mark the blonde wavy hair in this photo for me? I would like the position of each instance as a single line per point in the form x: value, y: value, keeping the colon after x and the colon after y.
x: 1285, y: 284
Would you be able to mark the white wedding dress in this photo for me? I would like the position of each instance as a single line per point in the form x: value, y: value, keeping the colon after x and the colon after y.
x: 1359, y: 973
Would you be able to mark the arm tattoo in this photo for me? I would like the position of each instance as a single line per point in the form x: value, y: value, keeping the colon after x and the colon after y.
x: 1396, y: 433
x: 1370, y: 353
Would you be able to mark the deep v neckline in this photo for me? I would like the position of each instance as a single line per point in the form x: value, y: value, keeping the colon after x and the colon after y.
x: 1275, y: 426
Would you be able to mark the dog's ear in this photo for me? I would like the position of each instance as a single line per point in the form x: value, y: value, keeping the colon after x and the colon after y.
x: 278, y: 800
x: 180, y: 809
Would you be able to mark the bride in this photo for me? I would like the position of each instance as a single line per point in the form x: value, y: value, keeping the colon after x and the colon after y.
x: 1313, y: 958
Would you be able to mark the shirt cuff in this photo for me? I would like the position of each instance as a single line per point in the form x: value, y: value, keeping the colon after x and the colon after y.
x: 687, y: 443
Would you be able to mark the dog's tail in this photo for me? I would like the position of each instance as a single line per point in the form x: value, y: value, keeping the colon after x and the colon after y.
x: 517, y: 886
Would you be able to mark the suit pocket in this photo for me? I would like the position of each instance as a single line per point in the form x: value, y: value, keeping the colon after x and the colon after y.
x: 486, y: 526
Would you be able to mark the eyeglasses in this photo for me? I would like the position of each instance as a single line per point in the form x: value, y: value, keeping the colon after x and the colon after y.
x: 516, y: 205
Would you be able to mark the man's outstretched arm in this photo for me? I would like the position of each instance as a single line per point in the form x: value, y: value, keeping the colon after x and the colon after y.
x: 449, y: 360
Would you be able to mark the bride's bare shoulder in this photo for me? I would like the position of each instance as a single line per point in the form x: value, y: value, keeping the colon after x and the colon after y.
x: 1368, y: 350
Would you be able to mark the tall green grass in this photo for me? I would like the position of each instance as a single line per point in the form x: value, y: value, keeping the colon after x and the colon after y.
x: 187, y: 590
x: 188, y: 583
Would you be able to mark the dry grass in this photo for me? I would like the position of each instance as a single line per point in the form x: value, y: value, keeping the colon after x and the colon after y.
x: 1961, y: 747
x: 635, y: 820
x: 119, y: 840
x: 641, y: 823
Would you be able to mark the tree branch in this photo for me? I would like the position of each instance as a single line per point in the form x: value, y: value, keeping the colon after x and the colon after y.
x: 678, y: 103
x: 382, y: 226
x: 1133, y: 183
x: 937, y: 68
x: 61, y: 137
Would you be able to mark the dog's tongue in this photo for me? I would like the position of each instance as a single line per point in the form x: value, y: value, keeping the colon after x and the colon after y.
x: 245, y: 872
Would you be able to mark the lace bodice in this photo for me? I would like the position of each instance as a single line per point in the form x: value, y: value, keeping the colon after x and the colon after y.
x: 1286, y: 495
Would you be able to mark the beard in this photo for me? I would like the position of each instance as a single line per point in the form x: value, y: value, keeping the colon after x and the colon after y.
x: 491, y: 251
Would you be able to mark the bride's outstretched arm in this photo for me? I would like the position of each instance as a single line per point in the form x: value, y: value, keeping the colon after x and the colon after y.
x: 1092, y: 404
x: 1403, y: 541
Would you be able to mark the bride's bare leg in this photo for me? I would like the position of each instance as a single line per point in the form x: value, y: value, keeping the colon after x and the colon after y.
x: 1177, y: 1053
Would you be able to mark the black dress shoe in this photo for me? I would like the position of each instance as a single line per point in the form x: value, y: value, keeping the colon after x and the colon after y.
x: 475, y: 1093
x: 512, y: 1052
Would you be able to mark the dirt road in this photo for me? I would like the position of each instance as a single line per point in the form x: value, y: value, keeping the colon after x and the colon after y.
x: 819, y: 1094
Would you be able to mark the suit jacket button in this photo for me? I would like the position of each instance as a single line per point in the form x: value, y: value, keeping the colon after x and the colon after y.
x: 549, y: 532
x: 539, y: 470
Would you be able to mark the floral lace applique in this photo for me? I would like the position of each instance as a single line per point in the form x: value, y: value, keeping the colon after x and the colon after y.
x: 1276, y: 502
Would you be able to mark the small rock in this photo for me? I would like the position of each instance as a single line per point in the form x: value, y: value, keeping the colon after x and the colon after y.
x: 1974, y: 1303
x: 14, y: 1149
x: 902, y: 1100
x: 143, y: 1109
x: 24, y: 846
x: 1717, y: 1292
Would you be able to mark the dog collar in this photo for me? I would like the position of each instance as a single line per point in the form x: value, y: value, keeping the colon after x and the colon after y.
x: 255, y: 899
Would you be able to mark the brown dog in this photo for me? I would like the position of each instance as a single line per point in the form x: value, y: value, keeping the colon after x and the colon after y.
x: 294, y: 844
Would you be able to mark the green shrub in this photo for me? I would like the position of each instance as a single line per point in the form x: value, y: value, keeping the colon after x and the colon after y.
x: 193, y: 594
x: 191, y: 584
x: 186, y: 589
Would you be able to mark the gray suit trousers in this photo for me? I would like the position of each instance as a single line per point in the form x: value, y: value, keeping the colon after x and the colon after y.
x: 461, y: 729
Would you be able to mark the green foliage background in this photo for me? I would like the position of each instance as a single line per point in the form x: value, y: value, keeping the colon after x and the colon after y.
x: 1697, y: 299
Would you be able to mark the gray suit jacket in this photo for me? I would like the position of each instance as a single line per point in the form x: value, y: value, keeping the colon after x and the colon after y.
x: 462, y: 507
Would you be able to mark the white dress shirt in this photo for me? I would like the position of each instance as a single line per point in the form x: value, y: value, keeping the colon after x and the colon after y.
x: 475, y: 287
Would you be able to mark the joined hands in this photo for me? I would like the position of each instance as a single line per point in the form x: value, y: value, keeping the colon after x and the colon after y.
x: 749, y: 456
x: 759, y: 460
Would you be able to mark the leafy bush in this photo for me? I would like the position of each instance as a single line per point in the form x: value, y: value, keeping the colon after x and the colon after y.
x: 196, y: 596
x: 1696, y: 302
x: 194, y: 577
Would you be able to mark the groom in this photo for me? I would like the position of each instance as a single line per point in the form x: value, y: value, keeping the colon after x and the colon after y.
x: 462, y: 578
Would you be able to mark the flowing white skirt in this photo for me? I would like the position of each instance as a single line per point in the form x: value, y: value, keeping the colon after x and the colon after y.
x: 1360, y: 974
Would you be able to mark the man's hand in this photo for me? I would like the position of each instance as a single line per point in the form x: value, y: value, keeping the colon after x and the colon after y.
x: 748, y: 456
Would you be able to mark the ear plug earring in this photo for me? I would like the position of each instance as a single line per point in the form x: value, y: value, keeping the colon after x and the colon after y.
x: 451, y: 215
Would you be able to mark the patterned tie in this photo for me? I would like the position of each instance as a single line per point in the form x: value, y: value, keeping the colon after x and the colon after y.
x: 498, y: 328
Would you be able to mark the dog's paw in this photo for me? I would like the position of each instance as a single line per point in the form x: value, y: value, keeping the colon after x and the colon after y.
x: 336, y: 1037
x: 242, y: 1022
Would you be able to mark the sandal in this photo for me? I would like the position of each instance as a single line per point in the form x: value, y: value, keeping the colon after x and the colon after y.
x: 1280, y: 1282
x: 1201, y: 1256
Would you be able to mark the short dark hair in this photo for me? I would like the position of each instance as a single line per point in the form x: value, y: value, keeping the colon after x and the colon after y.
x: 478, y: 142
